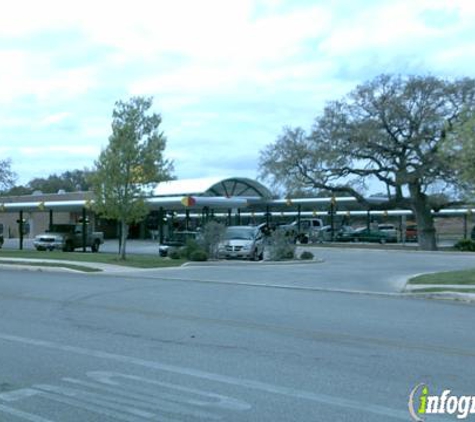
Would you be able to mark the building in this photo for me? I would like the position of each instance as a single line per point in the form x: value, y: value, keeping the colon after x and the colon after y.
x: 38, y: 211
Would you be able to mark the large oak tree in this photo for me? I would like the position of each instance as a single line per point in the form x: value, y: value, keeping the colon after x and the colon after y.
x: 391, y: 130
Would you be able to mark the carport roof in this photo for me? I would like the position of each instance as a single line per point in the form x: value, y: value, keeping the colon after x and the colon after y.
x: 213, y: 186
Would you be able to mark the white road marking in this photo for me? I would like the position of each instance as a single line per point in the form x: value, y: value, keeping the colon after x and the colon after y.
x: 104, y: 401
x: 245, y: 383
x: 84, y: 405
x: 23, y: 415
x: 218, y: 400
x: 18, y: 394
x: 146, y: 400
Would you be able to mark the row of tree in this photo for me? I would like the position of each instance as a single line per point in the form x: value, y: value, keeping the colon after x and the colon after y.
x: 69, y: 181
x: 415, y: 135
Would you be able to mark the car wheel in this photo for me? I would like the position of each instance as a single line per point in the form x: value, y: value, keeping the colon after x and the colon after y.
x: 68, y: 247
x: 95, y: 246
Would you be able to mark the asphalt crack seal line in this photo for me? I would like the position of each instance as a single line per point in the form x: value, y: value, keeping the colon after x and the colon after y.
x: 239, y: 382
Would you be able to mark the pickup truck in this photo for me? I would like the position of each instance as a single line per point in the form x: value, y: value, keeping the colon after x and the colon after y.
x: 67, y: 237
x: 309, y: 229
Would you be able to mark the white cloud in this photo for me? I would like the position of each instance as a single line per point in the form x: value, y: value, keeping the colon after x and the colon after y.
x: 37, y: 151
x: 54, y: 118
x: 227, y: 75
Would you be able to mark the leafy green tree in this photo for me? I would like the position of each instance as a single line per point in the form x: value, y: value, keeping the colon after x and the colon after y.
x: 460, y: 152
x: 69, y: 181
x: 130, y: 165
x: 7, y: 176
x: 388, y: 130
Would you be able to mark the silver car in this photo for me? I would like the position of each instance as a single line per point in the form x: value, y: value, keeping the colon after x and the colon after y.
x: 242, y: 242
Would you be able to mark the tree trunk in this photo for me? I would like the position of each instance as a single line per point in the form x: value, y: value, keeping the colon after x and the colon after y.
x: 424, y: 219
x: 124, y: 232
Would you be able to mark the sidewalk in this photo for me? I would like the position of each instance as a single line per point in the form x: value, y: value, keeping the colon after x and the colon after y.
x: 107, y: 268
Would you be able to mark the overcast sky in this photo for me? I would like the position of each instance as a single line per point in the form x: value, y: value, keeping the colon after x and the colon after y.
x: 226, y: 76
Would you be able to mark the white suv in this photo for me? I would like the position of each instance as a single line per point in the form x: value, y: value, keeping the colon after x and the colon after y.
x: 242, y: 242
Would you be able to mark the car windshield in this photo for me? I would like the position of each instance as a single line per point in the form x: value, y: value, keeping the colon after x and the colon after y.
x: 239, y: 233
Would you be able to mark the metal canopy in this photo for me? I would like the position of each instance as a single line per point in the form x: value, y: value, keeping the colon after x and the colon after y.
x: 213, y: 186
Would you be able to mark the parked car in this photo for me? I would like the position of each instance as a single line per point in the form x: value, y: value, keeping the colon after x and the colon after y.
x: 242, y: 242
x: 390, y: 230
x: 305, y: 232
x: 345, y: 234
x: 67, y: 237
x: 325, y: 234
x: 362, y: 234
x: 341, y: 234
x: 178, y: 240
x: 411, y: 233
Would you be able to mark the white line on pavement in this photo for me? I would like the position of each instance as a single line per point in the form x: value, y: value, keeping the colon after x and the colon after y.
x: 245, y: 383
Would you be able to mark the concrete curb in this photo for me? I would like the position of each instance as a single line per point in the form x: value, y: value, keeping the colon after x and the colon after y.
x: 24, y: 263
x: 230, y: 263
x: 460, y: 297
x: 37, y: 268
x: 417, y: 290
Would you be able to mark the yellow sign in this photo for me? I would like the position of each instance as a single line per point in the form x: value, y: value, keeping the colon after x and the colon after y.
x: 41, y: 206
x: 188, y: 201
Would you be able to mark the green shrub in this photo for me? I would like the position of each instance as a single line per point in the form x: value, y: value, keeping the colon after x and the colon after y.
x: 465, y: 245
x: 190, y: 247
x: 199, y: 255
x: 212, y: 234
x: 174, y: 254
x: 281, y: 246
x: 306, y: 255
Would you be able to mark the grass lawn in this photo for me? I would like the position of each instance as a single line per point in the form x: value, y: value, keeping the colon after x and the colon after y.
x: 465, y: 277
x: 133, y: 260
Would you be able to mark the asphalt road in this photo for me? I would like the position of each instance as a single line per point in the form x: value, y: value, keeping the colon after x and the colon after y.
x: 164, y: 346
x: 352, y: 270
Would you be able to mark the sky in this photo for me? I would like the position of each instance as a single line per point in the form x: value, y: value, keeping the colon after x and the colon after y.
x: 226, y: 76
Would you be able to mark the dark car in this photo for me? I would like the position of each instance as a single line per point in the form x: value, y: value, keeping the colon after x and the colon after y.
x: 345, y: 234
x: 371, y: 235
x: 363, y: 234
